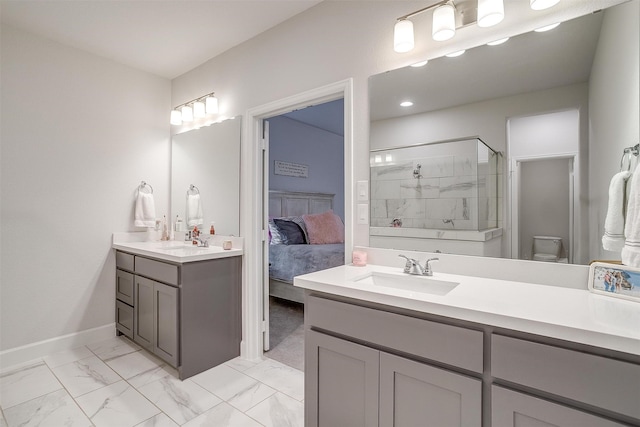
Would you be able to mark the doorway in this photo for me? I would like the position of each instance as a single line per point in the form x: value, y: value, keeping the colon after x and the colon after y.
x: 542, y: 200
x: 303, y: 160
x: 254, y: 223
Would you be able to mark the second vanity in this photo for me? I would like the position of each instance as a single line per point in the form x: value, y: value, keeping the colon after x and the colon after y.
x: 182, y: 303
x: 383, y: 348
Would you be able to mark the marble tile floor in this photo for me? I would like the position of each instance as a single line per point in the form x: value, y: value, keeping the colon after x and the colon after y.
x: 117, y: 384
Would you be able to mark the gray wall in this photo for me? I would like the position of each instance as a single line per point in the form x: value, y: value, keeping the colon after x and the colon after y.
x: 322, y: 151
x: 79, y: 133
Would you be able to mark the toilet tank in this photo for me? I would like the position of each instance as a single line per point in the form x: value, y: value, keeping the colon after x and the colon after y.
x: 548, y: 245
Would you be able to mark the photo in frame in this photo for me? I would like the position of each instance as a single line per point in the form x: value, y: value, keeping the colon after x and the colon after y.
x: 615, y: 280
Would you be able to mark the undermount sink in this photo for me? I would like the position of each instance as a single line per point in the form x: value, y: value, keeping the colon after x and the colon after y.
x: 181, y: 246
x: 422, y: 284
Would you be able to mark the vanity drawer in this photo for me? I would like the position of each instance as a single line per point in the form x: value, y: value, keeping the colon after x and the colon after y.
x: 447, y: 344
x: 595, y: 380
x: 156, y: 270
x: 124, y: 286
x: 124, y: 261
x: 124, y: 318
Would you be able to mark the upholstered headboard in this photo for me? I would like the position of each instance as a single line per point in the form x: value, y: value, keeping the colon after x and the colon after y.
x: 295, y: 203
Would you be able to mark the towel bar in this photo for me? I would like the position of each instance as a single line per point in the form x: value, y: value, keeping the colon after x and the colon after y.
x: 144, y: 185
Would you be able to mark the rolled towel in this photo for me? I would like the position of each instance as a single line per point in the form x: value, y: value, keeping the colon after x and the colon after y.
x: 145, y: 212
x: 631, y: 249
x: 613, y: 239
x: 194, y: 210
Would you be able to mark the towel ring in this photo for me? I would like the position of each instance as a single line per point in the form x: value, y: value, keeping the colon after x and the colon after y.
x: 627, y: 153
x: 193, y: 189
x: 144, y: 185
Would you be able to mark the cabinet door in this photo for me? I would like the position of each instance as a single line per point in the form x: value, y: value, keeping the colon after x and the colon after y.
x: 513, y: 409
x: 124, y: 286
x: 143, y: 318
x: 414, y: 394
x: 165, y: 303
x: 341, y: 382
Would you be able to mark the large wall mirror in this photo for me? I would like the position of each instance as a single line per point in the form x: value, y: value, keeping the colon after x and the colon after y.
x: 558, y: 108
x: 208, y: 159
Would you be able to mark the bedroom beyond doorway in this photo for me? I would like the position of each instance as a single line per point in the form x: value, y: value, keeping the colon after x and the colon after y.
x: 304, y: 157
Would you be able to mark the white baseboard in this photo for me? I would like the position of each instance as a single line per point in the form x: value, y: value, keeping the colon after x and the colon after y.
x: 20, y: 355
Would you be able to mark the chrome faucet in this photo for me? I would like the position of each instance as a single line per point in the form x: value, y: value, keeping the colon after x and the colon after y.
x: 200, y: 242
x: 413, y: 266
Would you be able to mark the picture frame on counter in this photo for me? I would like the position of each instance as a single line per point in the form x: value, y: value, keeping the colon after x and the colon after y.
x: 615, y: 280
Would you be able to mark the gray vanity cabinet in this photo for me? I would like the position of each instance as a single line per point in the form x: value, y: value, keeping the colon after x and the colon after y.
x: 352, y: 377
x: 346, y: 380
x: 412, y: 393
x: 512, y: 409
x: 187, y: 314
x: 156, y: 318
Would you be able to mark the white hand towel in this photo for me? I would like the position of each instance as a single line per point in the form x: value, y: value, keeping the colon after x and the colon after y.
x: 613, y: 239
x: 631, y: 249
x: 145, y: 213
x: 194, y: 210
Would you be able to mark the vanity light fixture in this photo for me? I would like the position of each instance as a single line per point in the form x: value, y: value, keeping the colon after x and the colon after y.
x: 196, y: 108
x: 450, y: 15
x: 546, y: 28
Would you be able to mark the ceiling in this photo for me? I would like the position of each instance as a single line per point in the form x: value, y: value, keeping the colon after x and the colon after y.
x: 525, y: 63
x: 163, y: 37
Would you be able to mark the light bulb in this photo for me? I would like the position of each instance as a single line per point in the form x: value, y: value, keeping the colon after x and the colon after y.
x: 403, y: 36
x: 543, y: 4
x: 198, y: 109
x: 212, y: 104
x: 187, y: 114
x: 490, y: 12
x: 176, y: 117
x: 444, y: 23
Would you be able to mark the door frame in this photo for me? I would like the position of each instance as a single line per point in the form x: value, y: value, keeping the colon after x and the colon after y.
x: 253, y: 221
x: 514, y: 174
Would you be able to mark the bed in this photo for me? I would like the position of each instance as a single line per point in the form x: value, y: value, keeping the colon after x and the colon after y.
x: 292, y: 258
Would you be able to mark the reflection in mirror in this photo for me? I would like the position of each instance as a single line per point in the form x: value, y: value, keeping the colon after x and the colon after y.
x: 562, y: 96
x: 209, y: 159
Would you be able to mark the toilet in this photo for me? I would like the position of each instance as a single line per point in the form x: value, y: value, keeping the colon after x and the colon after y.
x: 547, y: 248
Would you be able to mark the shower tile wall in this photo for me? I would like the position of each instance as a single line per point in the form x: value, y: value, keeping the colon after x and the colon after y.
x: 451, y: 193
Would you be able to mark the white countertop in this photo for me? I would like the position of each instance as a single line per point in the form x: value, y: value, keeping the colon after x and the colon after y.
x: 569, y: 314
x: 177, y: 251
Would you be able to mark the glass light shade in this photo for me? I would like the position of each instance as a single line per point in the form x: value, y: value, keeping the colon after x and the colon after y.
x: 212, y: 105
x: 187, y: 114
x: 420, y: 64
x: 176, y: 117
x: 498, y: 42
x: 490, y: 12
x: 543, y: 4
x: 546, y: 28
x: 444, y: 23
x: 457, y: 53
x: 403, y: 36
x: 198, y: 109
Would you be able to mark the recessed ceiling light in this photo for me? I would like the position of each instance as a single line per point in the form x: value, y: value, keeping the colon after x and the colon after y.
x: 406, y: 104
x: 498, y: 42
x: 546, y: 28
x: 419, y: 64
x: 454, y: 54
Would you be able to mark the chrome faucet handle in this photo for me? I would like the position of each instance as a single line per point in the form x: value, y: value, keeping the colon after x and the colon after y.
x: 412, y: 266
x: 428, y: 271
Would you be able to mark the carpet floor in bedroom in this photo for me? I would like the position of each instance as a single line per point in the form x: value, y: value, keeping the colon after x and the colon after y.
x: 286, y: 332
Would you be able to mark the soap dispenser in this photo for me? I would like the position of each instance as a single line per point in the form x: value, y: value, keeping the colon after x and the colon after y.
x: 212, y: 230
